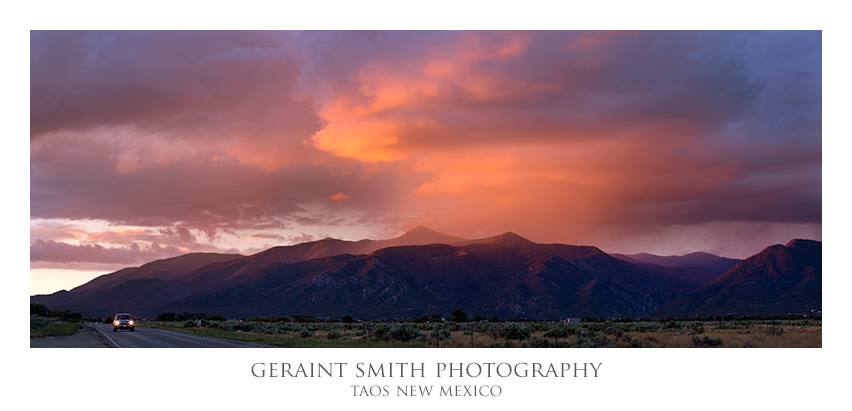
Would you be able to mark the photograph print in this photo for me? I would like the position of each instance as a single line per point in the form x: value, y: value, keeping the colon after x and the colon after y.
x: 425, y: 189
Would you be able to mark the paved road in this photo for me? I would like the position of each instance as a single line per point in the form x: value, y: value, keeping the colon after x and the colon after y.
x: 154, y: 338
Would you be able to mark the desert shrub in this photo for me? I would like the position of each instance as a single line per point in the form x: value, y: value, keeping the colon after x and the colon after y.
x: 512, y: 331
x: 536, y: 342
x: 603, y: 341
x: 697, y: 328
x: 644, y: 327
x: 403, y: 332
x: 597, y: 327
x: 588, y: 333
x: 37, y: 321
x: 252, y: 326
x: 774, y: 330
x: 556, y: 333
x: 333, y: 334
x: 306, y: 332
x: 380, y: 332
x: 442, y: 334
x: 268, y: 328
x: 614, y: 331
x: 585, y: 342
x: 229, y: 325
x: 706, y: 341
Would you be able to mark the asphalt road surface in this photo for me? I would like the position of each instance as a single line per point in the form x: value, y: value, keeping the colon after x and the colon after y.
x: 154, y: 338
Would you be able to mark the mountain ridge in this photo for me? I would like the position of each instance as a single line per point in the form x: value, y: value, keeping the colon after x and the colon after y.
x: 505, y: 275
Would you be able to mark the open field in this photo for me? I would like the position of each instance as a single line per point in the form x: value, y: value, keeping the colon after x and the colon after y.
x: 639, y: 334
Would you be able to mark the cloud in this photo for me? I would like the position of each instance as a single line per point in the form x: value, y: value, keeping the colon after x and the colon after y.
x: 471, y: 92
x: 648, y: 128
x: 168, y: 97
x: 52, y: 251
x: 201, y: 140
x: 340, y: 197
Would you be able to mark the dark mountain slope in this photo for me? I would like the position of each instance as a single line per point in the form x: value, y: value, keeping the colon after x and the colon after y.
x: 202, y: 272
x: 781, y: 279
x: 165, y: 269
x: 98, y: 296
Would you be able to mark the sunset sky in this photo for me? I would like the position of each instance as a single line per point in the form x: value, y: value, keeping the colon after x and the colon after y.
x: 147, y: 145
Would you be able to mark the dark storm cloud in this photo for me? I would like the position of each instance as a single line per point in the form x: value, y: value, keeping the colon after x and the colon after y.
x: 162, y: 80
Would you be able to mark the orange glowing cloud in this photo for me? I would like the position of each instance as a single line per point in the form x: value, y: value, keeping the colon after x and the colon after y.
x: 391, y: 105
x: 340, y: 197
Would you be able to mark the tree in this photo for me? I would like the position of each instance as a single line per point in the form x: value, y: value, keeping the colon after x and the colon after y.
x: 38, y: 309
x: 347, y: 319
x: 458, y: 316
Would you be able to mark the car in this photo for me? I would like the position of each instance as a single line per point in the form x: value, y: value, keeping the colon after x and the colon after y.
x: 123, y: 321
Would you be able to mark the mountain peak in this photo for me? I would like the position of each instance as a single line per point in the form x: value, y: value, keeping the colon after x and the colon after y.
x: 510, y: 238
x: 420, y: 230
x: 421, y: 235
x: 798, y: 243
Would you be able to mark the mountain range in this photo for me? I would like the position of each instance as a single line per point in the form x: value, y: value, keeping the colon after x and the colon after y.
x: 426, y: 272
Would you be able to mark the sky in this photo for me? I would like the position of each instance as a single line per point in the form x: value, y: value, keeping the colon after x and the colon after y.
x: 147, y: 145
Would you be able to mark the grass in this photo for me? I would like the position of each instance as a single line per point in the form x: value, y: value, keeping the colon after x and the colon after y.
x: 738, y: 334
x: 55, y: 329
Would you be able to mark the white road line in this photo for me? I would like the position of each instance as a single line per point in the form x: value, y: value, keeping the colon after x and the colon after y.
x: 107, y: 337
